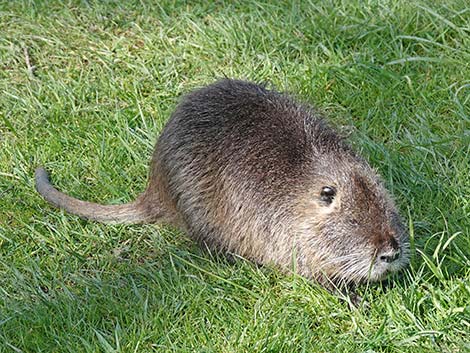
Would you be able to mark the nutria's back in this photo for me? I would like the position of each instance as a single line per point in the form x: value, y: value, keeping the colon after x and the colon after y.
x: 248, y: 170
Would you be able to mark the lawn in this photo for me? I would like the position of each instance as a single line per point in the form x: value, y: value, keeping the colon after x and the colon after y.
x: 102, y: 80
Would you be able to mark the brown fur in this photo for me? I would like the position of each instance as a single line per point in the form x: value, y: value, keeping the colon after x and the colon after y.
x: 241, y: 169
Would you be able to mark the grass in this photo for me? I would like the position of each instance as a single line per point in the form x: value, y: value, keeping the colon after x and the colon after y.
x: 394, y: 74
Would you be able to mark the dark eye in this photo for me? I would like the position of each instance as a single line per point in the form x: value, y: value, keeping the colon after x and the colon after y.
x: 327, y: 194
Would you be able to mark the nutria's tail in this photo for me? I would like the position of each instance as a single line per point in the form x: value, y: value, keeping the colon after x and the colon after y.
x: 133, y: 212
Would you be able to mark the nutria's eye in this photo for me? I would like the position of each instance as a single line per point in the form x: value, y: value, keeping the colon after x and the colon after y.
x: 327, y: 194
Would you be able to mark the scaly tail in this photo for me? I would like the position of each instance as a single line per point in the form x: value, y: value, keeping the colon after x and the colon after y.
x: 133, y: 212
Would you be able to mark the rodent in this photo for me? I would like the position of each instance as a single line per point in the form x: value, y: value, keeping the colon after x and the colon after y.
x: 250, y: 171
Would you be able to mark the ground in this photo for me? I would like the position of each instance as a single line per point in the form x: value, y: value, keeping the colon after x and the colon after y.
x: 102, y: 79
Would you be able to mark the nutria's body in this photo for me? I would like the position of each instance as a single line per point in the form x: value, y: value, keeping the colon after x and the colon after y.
x: 246, y: 170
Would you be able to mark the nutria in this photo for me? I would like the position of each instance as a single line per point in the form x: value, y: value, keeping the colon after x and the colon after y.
x: 248, y: 171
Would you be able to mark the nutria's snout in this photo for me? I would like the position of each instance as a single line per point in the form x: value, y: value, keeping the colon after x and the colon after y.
x: 392, y: 251
x: 389, y: 256
x: 389, y: 260
x: 395, y: 255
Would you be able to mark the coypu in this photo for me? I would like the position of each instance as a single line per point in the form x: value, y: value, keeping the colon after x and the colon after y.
x: 248, y: 171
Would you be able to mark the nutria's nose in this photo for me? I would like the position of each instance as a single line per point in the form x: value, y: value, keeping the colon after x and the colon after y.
x: 389, y: 256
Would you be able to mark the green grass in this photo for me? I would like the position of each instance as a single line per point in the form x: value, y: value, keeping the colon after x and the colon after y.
x: 394, y: 74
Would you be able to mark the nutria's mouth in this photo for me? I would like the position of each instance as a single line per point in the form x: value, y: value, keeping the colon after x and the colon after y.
x: 349, y: 269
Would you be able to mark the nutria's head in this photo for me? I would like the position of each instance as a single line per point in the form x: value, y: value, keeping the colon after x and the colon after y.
x: 353, y: 229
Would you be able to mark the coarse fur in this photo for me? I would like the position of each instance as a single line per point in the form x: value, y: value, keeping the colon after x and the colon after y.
x: 241, y: 169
